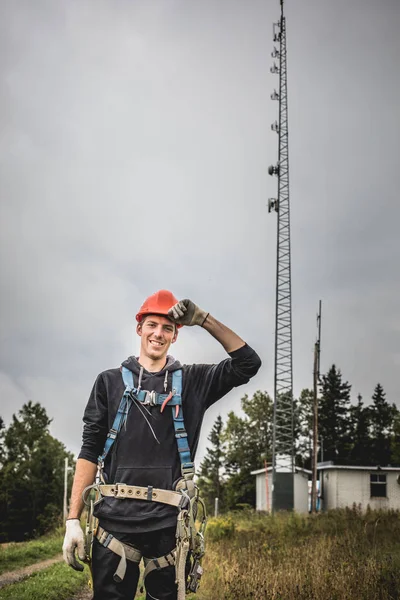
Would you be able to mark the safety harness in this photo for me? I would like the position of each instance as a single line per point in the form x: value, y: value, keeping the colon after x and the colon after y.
x: 189, y: 540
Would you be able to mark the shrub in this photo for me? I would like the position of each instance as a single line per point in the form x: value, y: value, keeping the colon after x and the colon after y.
x: 220, y: 528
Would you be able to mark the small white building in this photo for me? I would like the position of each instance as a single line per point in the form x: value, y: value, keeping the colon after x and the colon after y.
x: 264, y: 489
x: 341, y: 486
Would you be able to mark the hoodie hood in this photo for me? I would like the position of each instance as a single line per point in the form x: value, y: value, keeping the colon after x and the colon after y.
x: 132, y: 363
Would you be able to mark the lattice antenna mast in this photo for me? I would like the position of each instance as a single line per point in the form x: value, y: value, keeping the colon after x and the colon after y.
x: 283, y: 441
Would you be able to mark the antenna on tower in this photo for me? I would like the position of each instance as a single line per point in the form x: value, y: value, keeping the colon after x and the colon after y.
x: 283, y: 441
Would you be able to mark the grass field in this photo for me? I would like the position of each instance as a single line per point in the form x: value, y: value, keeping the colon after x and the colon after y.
x: 13, y: 556
x: 341, y: 555
x: 58, y: 582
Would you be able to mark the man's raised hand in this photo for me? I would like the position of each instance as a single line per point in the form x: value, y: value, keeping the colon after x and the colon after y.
x: 186, y: 312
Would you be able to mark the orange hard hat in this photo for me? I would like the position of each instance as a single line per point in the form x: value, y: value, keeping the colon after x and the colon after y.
x: 157, y: 304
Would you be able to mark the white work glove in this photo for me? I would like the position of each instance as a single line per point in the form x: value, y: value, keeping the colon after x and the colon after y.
x: 186, y: 312
x: 74, y: 539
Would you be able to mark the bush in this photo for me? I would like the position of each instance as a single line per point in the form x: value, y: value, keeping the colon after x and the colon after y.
x: 220, y: 528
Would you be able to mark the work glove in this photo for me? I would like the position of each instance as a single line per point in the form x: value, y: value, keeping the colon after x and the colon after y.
x: 74, y: 539
x: 186, y: 312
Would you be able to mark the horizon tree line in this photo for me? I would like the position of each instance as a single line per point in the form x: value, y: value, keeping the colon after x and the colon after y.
x: 349, y: 434
x: 32, y: 461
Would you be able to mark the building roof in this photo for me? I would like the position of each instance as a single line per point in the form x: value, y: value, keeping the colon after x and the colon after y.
x: 297, y: 469
x: 331, y: 467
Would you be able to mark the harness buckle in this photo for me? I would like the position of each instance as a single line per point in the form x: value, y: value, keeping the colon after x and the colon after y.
x: 116, y: 489
x: 187, y: 470
x: 112, y: 433
x: 107, y: 540
x: 150, y: 399
x: 184, y: 501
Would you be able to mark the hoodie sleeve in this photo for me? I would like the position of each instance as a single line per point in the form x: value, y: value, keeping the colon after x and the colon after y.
x: 214, y: 381
x: 95, y: 420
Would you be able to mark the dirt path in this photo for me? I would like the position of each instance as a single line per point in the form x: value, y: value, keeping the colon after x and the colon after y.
x: 84, y: 594
x: 20, y: 574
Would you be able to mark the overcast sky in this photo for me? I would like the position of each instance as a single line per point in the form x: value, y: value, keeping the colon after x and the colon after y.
x: 135, y: 142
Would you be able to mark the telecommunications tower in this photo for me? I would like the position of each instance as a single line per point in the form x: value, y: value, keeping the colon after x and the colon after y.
x: 283, y: 442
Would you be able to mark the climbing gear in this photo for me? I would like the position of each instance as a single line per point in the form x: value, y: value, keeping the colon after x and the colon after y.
x: 123, y: 550
x: 185, y: 497
x: 157, y: 304
x: 90, y: 529
x: 120, y: 490
x: 128, y: 552
x: 189, y: 542
x: 186, y: 312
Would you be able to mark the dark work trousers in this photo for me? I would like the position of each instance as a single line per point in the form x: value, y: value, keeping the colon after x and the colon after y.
x: 160, y: 584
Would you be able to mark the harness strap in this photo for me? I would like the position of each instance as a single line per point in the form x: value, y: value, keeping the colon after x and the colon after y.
x: 123, y: 550
x: 119, y: 420
x: 187, y: 466
x: 185, y: 499
x: 158, y: 563
x: 173, y: 399
x: 144, y: 397
x: 127, y: 552
x: 136, y: 492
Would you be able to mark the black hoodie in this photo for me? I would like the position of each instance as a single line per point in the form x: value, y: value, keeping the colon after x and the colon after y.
x: 144, y: 457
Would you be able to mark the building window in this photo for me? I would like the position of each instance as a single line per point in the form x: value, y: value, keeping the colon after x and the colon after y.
x: 378, y: 485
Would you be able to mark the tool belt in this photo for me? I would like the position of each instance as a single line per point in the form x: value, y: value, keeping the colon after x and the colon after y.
x: 121, y: 490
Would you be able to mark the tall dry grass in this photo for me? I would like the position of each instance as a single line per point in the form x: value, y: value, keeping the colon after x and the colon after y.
x: 342, y: 555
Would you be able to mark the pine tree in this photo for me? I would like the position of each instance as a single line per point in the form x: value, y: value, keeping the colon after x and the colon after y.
x: 382, y: 416
x: 303, y: 428
x: 259, y: 421
x: 2, y: 434
x: 210, y: 480
x: 395, y: 441
x: 334, y: 404
x: 360, y: 453
x: 248, y: 445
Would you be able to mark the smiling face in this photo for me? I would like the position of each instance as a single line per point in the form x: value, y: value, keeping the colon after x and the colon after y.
x: 157, y: 333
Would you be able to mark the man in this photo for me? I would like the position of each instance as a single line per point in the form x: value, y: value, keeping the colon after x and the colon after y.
x: 145, y: 455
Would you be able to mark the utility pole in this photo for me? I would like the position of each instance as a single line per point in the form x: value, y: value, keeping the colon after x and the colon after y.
x: 283, y: 438
x: 316, y: 373
x: 65, y: 508
x: 65, y: 502
x: 267, y: 506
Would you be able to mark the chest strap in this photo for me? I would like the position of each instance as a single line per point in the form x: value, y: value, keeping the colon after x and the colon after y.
x: 174, y: 399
